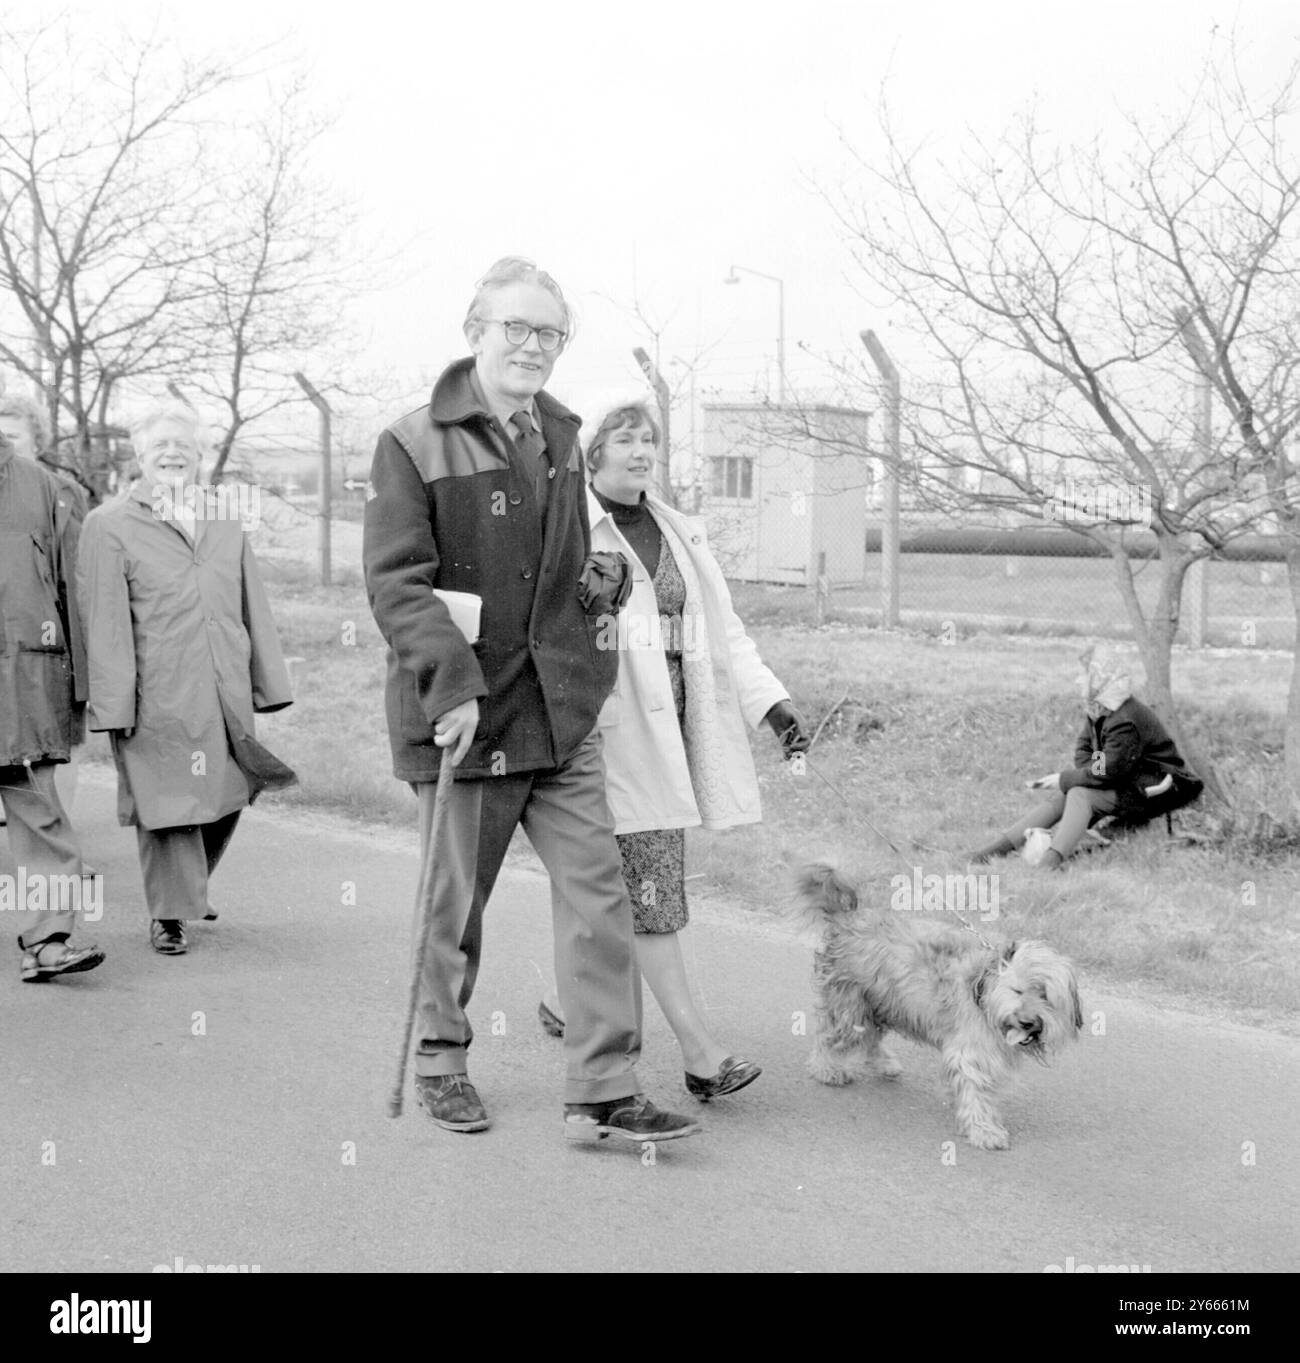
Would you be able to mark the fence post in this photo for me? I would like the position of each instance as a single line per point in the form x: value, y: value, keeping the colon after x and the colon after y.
x: 1196, y: 585
x: 822, y: 588
x: 324, y: 510
x: 889, y: 529
x: 1199, y: 573
x: 664, y: 399
x: 1196, y: 603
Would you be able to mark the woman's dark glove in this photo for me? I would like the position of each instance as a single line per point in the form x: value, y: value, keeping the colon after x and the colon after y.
x: 605, y: 583
x: 787, y: 725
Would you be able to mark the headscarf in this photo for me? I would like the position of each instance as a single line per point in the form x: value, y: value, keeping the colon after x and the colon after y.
x: 1107, y: 684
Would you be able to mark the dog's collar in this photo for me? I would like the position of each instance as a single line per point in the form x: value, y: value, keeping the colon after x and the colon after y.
x: 1003, y: 956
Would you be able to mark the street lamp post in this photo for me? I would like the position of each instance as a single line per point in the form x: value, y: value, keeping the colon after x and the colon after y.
x: 734, y: 278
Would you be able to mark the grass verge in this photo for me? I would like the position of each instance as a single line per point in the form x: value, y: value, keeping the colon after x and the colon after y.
x: 928, y: 741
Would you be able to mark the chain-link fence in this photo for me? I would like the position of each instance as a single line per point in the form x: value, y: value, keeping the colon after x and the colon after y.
x: 1239, y: 604
x: 789, y: 506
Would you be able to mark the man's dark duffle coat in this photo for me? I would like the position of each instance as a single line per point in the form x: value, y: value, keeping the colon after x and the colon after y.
x: 42, y: 654
x: 451, y: 505
x: 1129, y: 751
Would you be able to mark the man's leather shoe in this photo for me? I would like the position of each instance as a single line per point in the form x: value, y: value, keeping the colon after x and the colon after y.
x: 635, y: 1119
x: 732, y: 1075
x: 167, y: 936
x: 451, y: 1101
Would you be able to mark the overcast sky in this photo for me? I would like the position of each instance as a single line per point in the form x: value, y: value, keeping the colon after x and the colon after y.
x: 636, y: 151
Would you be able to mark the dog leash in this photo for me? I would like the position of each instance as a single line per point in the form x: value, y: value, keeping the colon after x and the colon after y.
x: 861, y: 817
x: 857, y: 813
x: 983, y: 941
x: 790, y: 733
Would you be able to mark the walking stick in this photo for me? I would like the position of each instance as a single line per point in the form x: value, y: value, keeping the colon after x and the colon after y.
x: 464, y: 608
x: 424, y: 899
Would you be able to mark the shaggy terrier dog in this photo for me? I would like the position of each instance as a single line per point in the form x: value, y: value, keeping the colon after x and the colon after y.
x: 984, y: 1008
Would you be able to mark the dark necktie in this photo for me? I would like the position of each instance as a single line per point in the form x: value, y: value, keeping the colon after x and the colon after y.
x: 532, y: 448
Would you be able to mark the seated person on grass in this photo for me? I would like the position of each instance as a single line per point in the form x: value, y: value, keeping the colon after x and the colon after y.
x: 1125, y: 764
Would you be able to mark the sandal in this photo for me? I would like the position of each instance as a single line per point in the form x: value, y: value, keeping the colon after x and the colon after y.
x: 38, y: 963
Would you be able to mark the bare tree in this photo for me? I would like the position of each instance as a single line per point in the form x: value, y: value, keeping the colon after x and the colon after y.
x: 103, y: 215
x: 1046, y: 292
x: 275, y: 279
x: 155, y: 229
x: 1244, y: 340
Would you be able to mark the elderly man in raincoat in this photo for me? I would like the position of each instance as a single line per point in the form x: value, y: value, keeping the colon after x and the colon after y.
x: 182, y: 651
x: 41, y: 678
x: 1125, y: 764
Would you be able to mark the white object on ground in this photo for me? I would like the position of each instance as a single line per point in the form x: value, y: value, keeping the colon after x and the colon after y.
x: 1037, y: 841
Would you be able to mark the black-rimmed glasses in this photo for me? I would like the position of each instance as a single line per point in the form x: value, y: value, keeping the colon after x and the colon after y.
x: 517, y: 333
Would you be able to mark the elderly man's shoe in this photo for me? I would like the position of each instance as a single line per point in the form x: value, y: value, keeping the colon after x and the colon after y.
x: 167, y: 936
x: 635, y: 1119
x: 451, y: 1101
x: 732, y: 1074
x: 50, y: 959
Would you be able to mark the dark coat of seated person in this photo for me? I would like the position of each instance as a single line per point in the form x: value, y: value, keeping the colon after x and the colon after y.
x: 1125, y: 764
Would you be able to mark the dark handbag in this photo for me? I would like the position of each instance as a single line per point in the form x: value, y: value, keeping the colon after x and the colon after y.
x: 1173, y: 790
x: 605, y: 582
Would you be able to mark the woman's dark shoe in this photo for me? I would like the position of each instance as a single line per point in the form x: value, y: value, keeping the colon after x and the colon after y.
x: 167, y: 936
x: 50, y: 959
x: 452, y: 1101
x: 552, y: 1022
x: 732, y: 1075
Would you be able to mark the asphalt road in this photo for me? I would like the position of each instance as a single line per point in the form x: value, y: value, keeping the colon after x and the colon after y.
x: 228, y: 1107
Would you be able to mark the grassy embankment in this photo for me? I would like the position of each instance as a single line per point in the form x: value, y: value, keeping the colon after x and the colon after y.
x: 931, y: 742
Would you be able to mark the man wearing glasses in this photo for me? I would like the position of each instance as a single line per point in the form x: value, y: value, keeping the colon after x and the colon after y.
x: 482, y: 492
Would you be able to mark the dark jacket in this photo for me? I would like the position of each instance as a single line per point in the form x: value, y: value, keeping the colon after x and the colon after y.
x: 42, y: 659
x: 1129, y: 751
x: 83, y: 498
x: 450, y: 505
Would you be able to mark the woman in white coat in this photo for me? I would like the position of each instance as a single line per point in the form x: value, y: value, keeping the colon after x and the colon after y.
x: 677, y: 753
